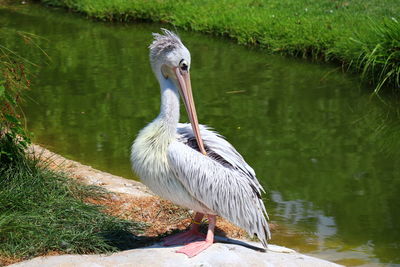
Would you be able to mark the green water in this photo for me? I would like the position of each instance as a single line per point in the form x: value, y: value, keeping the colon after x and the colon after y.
x: 326, y: 151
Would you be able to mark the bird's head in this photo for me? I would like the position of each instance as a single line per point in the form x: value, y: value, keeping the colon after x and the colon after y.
x: 170, y: 60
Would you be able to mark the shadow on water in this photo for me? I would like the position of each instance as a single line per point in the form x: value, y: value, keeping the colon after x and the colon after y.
x: 326, y: 151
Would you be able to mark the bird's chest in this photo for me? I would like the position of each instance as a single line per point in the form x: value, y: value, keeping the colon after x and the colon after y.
x: 150, y: 161
x: 149, y: 156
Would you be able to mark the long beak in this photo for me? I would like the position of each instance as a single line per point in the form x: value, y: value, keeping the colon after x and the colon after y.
x: 186, y: 93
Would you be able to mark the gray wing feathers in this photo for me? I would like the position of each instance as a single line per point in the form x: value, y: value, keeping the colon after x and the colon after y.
x: 231, y: 190
x: 216, y: 144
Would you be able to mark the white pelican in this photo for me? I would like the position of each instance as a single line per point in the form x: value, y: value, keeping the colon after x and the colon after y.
x: 191, y: 165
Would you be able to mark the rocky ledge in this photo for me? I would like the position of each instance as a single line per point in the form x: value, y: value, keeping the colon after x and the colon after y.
x: 217, y: 255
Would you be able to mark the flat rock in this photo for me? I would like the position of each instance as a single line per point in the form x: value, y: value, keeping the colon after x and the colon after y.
x: 217, y: 255
x: 89, y: 175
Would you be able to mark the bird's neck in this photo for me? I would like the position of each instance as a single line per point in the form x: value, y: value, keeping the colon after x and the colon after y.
x: 169, y: 110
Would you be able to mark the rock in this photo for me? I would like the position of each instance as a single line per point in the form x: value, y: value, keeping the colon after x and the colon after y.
x: 217, y: 255
x: 88, y: 175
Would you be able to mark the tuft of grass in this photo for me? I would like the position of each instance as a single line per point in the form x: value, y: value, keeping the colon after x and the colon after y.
x: 42, y: 211
x: 380, y: 55
x: 328, y: 30
x: 375, y: 55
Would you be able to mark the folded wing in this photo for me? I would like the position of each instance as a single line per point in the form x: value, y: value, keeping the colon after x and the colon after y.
x: 221, y: 180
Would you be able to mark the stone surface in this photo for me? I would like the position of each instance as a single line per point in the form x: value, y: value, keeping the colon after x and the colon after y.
x: 88, y: 175
x: 217, y: 255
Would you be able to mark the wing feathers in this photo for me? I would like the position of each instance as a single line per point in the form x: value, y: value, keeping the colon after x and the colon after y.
x: 218, y: 148
x: 222, y: 180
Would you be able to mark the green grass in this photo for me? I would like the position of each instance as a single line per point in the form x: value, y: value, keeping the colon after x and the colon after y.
x: 363, y: 36
x: 42, y: 211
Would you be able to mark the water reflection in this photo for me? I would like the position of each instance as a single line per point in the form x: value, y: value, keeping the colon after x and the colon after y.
x: 327, y: 153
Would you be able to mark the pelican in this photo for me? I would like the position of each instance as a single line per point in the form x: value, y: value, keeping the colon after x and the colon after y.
x: 191, y: 165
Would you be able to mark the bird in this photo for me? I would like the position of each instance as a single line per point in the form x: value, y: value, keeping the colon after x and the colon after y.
x: 190, y: 164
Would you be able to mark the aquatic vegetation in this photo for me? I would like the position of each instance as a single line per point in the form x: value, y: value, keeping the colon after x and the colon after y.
x: 361, y: 35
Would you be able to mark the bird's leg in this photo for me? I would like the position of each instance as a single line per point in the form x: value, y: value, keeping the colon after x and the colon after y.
x: 195, y: 248
x: 191, y: 235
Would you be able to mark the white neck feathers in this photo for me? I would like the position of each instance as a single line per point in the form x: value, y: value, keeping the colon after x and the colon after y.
x: 169, y: 110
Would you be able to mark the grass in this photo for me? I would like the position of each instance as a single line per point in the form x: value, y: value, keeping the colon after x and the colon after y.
x: 363, y: 36
x: 42, y: 211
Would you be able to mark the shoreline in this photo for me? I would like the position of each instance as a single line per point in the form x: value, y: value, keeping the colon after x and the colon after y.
x: 88, y: 175
x: 132, y: 196
x: 360, y: 40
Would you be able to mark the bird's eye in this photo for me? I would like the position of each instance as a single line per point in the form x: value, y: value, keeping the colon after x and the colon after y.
x: 183, y: 65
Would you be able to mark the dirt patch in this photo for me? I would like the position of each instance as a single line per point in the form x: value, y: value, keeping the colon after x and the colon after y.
x: 7, y: 261
x: 161, y: 216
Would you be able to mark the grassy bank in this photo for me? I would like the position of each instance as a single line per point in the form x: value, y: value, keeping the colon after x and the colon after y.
x: 42, y: 211
x: 363, y: 36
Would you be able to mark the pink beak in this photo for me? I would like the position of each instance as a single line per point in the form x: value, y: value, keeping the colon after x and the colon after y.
x: 187, y: 96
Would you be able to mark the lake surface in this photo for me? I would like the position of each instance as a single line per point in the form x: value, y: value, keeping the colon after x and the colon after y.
x: 326, y: 151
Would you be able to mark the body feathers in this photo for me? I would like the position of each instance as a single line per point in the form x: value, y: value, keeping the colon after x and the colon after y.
x: 220, y: 183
